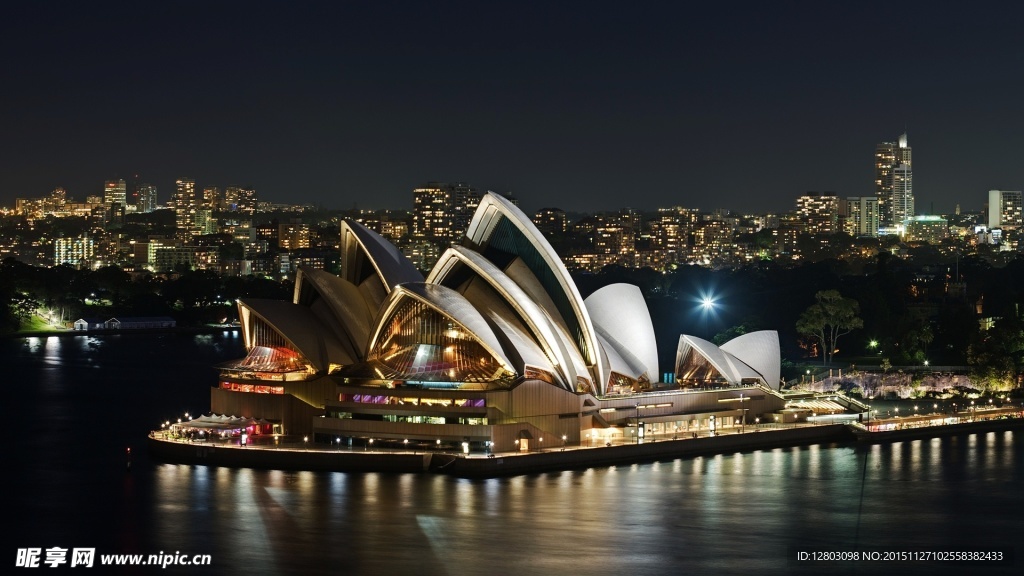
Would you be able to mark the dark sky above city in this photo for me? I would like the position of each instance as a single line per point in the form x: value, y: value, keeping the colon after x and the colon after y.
x: 585, y: 106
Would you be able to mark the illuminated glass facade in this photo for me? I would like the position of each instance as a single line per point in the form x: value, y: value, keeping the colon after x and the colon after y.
x: 418, y: 342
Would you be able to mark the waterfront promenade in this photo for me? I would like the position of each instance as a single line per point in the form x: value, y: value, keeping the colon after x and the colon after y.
x: 291, y: 453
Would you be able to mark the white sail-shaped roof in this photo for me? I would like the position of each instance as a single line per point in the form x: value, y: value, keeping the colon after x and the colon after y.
x: 372, y: 263
x: 564, y: 357
x: 728, y: 366
x: 499, y: 229
x: 453, y: 306
x: 523, y: 347
x: 760, y: 351
x: 350, y: 315
x: 298, y: 326
x: 621, y: 317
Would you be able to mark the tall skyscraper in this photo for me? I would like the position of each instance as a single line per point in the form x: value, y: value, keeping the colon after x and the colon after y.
x: 902, y: 205
x: 185, y: 206
x: 861, y: 216
x: 115, y: 192
x: 145, y: 198
x: 464, y: 201
x: 430, y: 216
x: 888, y: 157
x: 1004, y: 209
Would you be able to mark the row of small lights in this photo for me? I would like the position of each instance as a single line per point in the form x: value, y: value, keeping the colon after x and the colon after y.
x: 936, y: 406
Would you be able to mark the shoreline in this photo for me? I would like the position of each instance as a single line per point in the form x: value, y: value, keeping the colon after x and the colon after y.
x: 477, y: 466
x: 937, y: 431
x: 114, y: 332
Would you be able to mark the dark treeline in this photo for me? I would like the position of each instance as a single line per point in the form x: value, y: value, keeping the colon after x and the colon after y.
x: 911, y: 313
x: 191, y: 297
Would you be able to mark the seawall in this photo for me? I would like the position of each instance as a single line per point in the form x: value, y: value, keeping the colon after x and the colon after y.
x: 981, y: 426
x: 480, y: 467
x: 285, y: 459
x: 552, y: 460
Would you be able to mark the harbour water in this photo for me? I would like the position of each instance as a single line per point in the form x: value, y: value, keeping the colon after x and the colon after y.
x: 77, y: 404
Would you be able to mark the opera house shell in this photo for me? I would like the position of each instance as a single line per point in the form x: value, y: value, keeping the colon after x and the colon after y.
x: 495, y: 348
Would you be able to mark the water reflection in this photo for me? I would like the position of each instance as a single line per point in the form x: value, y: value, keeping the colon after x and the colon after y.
x: 711, y: 513
x: 721, y: 514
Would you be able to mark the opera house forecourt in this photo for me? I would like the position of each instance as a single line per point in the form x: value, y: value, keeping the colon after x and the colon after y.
x: 494, y: 351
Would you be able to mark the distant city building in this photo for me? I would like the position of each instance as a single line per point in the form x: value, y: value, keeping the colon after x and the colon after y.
x: 431, y: 216
x: 670, y: 232
x: 73, y: 251
x: 174, y: 258
x: 58, y: 200
x: 550, y: 220
x: 464, y: 201
x: 206, y: 223
x: 185, y: 206
x: 818, y: 213
x: 442, y: 211
x: 902, y: 178
x: 930, y: 229
x: 1004, y: 209
x: 145, y: 198
x: 394, y: 229
x: 713, y: 235
x: 240, y: 199
x: 211, y: 198
x: 861, y: 216
x: 293, y: 236
x: 889, y: 156
x: 614, y: 238
x: 115, y: 192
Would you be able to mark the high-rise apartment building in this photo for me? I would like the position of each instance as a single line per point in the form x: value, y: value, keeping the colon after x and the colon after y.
x: 442, y: 211
x: 902, y: 204
x: 550, y: 220
x: 1004, y: 209
x: 888, y: 157
x: 240, y: 199
x: 293, y: 235
x: 185, y: 205
x: 464, y: 203
x: 73, y: 251
x: 614, y: 238
x: 861, y: 216
x: 430, y: 211
x: 818, y: 212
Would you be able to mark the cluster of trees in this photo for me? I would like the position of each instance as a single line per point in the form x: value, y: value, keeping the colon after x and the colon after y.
x: 831, y: 313
x: 894, y: 310
x: 193, y: 297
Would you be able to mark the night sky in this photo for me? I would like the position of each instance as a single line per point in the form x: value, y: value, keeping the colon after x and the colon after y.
x: 583, y: 105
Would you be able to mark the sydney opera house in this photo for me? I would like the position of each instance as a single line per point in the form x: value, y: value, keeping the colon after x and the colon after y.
x: 494, y: 348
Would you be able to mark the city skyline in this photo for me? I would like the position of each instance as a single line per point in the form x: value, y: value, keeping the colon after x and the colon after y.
x: 744, y: 108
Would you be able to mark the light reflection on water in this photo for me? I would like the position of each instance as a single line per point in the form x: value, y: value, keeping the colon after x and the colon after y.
x: 721, y: 514
x: 710, y: 514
